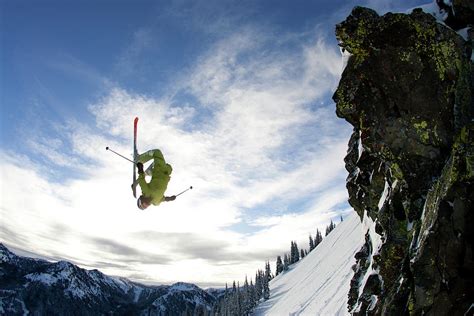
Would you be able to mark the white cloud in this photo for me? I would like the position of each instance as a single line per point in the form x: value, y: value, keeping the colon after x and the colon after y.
x: 267, y: 138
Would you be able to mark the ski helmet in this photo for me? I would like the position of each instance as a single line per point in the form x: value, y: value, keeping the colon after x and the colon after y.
x: 139, y: 203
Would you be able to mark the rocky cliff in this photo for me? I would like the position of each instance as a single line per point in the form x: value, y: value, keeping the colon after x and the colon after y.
x: 407, y: 90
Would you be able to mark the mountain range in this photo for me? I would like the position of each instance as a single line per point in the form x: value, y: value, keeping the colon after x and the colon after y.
x: 40, y: 287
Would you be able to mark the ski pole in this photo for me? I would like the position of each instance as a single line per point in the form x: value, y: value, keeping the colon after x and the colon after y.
x: 107, y: 148
x: 184, y: 191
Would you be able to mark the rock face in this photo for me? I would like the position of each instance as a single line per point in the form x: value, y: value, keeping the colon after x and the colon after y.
x: 408, y: 91
x: 460, y: 13
x: 43, y: 288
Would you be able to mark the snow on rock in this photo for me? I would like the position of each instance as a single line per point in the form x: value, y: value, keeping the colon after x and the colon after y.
x: 181, y: 286
x: 319, y: 283
x: 384, y: 195
x: 376, y: 244
x: 78, y: 282
x: 44, y: 278
x: 434, y: 10
x: 345, y: 58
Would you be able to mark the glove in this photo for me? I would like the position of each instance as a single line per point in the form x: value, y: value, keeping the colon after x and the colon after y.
x: 170, y: 198
x: 140, y: 168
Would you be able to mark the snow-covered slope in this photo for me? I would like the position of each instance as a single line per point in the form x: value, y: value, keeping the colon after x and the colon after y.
x: 319, y: 284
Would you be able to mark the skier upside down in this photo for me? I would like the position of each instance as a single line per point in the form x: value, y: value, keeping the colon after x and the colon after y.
x: 153, y: 192
x: 160, y: 171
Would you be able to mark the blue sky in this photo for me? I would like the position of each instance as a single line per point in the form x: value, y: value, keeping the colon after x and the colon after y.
x: 237, y: 94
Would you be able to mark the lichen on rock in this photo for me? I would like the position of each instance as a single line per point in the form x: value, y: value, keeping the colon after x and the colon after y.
x: 407, y: 90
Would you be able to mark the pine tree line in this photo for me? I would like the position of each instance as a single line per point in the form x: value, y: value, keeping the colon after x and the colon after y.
x: 295, y: 255
x: 242, y: 300
x: 331, y: 227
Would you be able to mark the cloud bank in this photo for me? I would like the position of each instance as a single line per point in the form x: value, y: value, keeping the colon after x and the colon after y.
x: 250, y: 125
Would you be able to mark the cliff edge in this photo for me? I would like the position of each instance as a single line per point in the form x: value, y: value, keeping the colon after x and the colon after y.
x: 407, y: 90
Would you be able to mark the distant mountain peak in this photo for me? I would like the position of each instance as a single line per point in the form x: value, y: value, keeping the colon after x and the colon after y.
x: 5, y: 254
x: 38, y: 286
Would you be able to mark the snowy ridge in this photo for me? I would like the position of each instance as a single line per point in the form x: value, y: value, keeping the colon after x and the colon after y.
x: 78, y: 282
x: 319, y: 283
x: 44, y: 288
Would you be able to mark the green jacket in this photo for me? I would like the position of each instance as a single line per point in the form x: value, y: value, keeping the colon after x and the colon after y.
x: 160, y: 176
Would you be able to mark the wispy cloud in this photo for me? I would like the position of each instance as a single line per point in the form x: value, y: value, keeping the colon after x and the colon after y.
x: 269, y: 139
x: 210, y: 16
x: 129, y: 61
x: 71, y: 66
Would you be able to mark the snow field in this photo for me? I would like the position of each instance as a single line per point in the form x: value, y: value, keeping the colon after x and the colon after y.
x: 319, y: 283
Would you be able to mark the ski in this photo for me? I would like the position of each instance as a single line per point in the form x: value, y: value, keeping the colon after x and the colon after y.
x: 135, y: 156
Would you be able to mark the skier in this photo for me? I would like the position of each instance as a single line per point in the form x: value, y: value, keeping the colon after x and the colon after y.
x: 160, y: 171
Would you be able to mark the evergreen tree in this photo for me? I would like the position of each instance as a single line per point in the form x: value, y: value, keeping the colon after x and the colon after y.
x: 286, y: 262
x: 302, y: 253
x: 279, y: 266
x: 238, y: 301
x: 318, y: 239
x: 246, y: 298
x: 225, y: 302
x: 330, y: 227
x: 253, y: 295
x: 311, y: 243
x: 258, y: 285
x: 295, y: 254
x: 266, y: 282
x: 268, y: 271
x: 233, y: 301
x: 342, y: 219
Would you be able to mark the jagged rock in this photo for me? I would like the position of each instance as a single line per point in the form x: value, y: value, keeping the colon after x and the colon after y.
x: 360, y: 269
x: 407, y: 90
x: 460, y: 13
